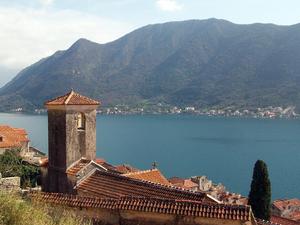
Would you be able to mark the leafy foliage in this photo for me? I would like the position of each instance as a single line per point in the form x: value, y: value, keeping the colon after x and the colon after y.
x: 260, y: 193
x: 204, y: 63
x: 11, y: 164
x: 16, y: 211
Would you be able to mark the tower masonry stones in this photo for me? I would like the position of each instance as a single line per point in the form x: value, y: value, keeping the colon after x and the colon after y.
x: 71, y: 136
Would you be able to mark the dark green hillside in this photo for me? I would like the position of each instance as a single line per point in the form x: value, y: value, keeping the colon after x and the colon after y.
x: 203, y: 63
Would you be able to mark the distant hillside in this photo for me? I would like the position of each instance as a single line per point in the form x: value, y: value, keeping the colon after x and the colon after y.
x: 203, y: 63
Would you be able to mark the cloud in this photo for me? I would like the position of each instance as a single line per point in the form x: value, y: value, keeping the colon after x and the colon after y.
x: 46, y: 2
x: 169, y: 5
x: 29, y: 34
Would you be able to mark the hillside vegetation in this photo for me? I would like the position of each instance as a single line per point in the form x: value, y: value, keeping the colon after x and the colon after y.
x: 12, y: 165
x: 204, y: 63
x: 15, y: 211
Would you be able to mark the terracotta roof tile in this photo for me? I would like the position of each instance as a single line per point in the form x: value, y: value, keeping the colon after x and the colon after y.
x: 155, y: 205
x: 283, y: 204
x: 188, y: 183
x: 77, y: 166
x: 72, y: 98
x: 104, y: 184
x: 12, y: 137
x: 295, y: 215
x: 125, y: 168
x: 176, y: 180
x: 183, y: 183
x: 283, y: 221
x: 153, y: 175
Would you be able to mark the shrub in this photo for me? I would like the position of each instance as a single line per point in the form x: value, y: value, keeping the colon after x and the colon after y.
x: 12, y: 165
x: 16, y: 211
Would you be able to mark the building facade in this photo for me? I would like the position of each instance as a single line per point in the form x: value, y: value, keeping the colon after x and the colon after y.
x: 13, y: 138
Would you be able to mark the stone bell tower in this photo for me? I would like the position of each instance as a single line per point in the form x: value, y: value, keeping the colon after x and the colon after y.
x: 71, y: 136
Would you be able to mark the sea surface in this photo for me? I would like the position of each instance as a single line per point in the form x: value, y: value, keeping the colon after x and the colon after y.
x: 223, y: 149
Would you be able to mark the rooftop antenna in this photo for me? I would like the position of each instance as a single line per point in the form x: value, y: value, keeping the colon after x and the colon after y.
x: 154, y: 165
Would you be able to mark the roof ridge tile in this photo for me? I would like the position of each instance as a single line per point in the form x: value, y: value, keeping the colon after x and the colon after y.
x: 72, y: 98
x: 148, y: 204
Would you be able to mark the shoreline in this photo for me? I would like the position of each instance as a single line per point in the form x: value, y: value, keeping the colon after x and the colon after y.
x: 173, y: 114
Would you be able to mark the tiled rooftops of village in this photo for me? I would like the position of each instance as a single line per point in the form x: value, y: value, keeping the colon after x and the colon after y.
x: 183, y: 183
x: 72, y: 98
x: 287, y: 208
x: 80, y: 164
x: 283, y: 221
x: 125, y: 168
x: 152, y: 175
x: 283, y: 204
x: 103, y: 180
x: 152, y: 204
x: 12, y: 137
x: 106, y: 184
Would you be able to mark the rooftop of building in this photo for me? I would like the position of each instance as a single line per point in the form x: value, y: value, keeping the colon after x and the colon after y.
x: 11, y: 137
x: 125, y: 168
x: 150, y: 204
x: 283, y: 204
x: 295, y: 216
x: 107, y: 184
x: 283, y: 221
x: 72, y: 98
x: 153, y: 175
x: 183, y: 183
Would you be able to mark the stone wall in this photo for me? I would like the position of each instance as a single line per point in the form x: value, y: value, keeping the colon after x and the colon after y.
x: 2, y: 150
x: 67, y: 144
x: 80, y: 143
x: 57, y: 139
x: 10, y: 184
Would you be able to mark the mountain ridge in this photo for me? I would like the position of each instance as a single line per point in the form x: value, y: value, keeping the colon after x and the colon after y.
x: 205, y: 63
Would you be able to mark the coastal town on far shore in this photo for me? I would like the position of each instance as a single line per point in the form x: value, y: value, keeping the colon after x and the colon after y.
x: 270, y: 112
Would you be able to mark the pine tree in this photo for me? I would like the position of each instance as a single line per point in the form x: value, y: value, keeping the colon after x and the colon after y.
x: 260, y: 193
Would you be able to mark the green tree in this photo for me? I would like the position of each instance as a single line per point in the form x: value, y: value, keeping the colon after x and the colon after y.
x: 260, y: 193
x: 11, y: 164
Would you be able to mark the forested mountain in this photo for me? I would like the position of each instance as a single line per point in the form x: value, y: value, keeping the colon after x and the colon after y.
x: 203, y: 63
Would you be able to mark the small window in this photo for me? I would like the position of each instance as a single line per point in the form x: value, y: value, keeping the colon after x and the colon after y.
x: 80, y: 121
x: 1, y: 138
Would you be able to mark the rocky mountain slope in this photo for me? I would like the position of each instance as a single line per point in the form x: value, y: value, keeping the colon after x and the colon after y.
x: 203, y: 63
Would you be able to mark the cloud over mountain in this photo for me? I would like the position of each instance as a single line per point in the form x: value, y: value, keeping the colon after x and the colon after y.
x: 169, y: 5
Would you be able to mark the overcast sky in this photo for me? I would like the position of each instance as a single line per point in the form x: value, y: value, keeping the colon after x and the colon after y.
x: 33, y: 29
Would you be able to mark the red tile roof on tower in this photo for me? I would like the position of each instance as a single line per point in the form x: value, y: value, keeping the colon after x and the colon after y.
x: 104, y: 184
x: 154, y: 205
x: 72, y: 98
x: 12, y: 137
x: 153, y: 175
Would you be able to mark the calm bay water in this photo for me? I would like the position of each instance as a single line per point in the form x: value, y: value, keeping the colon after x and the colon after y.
x: 224, y: 149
